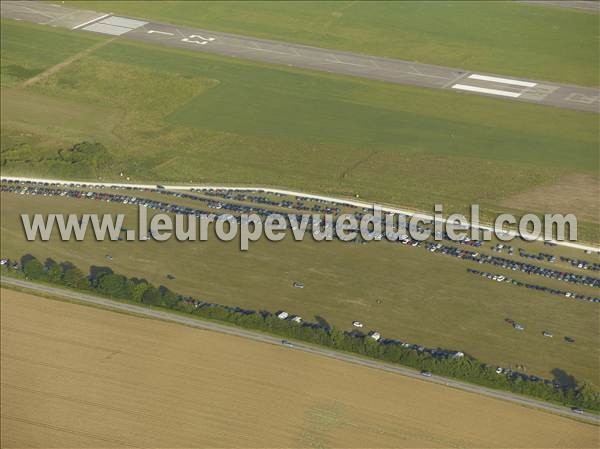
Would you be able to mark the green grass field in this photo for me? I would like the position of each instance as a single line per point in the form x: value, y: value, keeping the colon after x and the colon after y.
x: 403, y: 292
x: 501, y: 37
x: 170, y: 115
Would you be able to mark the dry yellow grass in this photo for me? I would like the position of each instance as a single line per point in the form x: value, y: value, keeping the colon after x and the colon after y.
x: 76, y: 376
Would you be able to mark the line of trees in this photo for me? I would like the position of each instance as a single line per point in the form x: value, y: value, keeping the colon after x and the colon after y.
x: 104, y: 281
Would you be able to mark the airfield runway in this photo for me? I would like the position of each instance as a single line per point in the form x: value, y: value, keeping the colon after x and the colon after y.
x: 306, y: 57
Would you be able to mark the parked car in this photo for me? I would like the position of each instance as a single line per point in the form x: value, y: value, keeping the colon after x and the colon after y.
x: 357, y: 324
x: 298, y: 285
x: 577, y: 410
x: 569, y: 339
x: 287, y: 343
x: 426, y: 373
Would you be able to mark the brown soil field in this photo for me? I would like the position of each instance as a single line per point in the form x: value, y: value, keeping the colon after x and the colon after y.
x: 563, y: 197
x: 77, y: 376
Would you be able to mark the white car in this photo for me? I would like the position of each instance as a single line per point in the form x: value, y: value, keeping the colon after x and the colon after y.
x: 357, y: 324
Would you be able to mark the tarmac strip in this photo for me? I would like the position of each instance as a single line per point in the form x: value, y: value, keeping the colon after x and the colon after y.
x: 307, y: 57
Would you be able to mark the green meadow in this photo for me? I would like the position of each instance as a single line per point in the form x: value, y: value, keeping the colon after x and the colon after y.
x: 162, y: 115
x: 503, y: 37
x: 169, y: 115
x: 403, y: 292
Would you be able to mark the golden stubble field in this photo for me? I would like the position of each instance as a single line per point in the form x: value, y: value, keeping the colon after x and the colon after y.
x: 77, y: 376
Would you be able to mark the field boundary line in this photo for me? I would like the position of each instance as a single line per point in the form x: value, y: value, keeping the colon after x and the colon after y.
x: 61, y: 65
x: 343, y: 201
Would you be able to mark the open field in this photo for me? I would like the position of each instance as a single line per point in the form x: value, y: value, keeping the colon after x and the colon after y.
x: 239, y: 122
x: 76, y: 376
x: 502, y: 37
x: 403, y: 292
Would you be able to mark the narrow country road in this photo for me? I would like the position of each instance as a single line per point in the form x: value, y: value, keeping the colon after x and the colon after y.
x: 320, y: 351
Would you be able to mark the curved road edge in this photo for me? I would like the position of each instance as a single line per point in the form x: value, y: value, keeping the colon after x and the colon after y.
x: 340, y: 201
x: 321, y: 351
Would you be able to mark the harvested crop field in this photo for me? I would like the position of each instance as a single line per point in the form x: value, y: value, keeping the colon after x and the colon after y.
x: 76, y: 376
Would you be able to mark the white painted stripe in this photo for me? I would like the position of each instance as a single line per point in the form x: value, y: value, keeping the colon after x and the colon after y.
x: 90, y: 21
x: 101, y: 27
x: 124, y: 22
x: 495, y: 79
x: 484, y: 90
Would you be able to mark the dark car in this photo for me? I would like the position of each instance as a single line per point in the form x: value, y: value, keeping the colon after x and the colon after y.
x: 569, y: 340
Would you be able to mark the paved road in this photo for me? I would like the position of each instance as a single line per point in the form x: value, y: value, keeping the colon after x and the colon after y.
x: 581, y: 5
x: 324, y: 352
x: 302, y: 56
x: 385, y: 209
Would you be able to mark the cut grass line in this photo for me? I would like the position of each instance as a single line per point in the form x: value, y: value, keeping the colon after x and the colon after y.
x: 61, y: 65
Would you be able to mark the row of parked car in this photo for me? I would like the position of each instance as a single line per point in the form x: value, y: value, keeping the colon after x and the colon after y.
x: 179, y: 209
x: 235, y: 208
x: 508, y: 264
x: 553, y: 291
x: 253, y: 196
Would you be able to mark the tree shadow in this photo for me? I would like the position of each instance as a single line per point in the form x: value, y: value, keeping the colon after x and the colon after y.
x: 97, y: 272
x: 563, y: 378
x: 323, y: 322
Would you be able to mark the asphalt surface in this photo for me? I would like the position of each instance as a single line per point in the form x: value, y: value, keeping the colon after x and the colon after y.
x: 581, y: 5
x: 342, y: 201
x: 324, y: 352
x: 306, y: 57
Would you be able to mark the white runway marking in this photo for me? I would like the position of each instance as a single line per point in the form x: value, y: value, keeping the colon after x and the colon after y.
x: 185, y: 39
x: 101, y: 27
x: 90, y: 21
x: 124, y: 22
x: 485, y: 90
x: 496, y: 79
x: 160, y: 32
x: 114, y: 25
x: 197, y: 36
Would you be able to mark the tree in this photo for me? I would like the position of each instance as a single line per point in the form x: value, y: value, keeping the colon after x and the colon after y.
x: 137, y: 288
x: 74, y: 278
x: 168, y: 298
x: 114, y: 285
x: 54, y: 271
x: 96, y: 274
x: 152, y: 296
x: 33, y: 268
